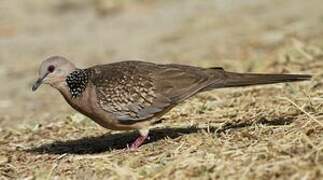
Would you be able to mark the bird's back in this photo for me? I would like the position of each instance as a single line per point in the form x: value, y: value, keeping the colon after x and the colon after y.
x: 135, y: 90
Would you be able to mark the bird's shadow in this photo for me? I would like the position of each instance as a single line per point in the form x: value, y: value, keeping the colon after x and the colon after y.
x: 109, y: 142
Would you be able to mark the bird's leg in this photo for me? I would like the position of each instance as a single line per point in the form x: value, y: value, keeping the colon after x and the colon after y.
x: 140, y: 140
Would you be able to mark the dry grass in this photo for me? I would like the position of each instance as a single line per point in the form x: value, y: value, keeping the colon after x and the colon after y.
x: 264, y: 132
x: 267, y: 132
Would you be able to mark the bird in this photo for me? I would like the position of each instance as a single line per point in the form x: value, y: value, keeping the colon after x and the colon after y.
x: 134, y: 95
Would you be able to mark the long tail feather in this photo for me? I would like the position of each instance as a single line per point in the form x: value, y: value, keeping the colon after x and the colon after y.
x: 232, y: 79
x: 248, y: 79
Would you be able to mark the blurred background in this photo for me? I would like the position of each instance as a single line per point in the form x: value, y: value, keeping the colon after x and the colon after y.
x: 238, y: 35
x: 263, y: 135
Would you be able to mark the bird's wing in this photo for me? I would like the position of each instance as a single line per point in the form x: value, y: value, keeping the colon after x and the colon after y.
x: 135, y: 91
x: 179, y: 82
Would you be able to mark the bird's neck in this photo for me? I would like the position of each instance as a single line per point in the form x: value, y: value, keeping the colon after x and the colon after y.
x: 75, y: 90
x: 74, y: 85
x: 76, y: 82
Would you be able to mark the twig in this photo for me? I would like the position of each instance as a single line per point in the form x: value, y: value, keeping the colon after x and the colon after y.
x: 302, y: 110
x: 55, y: 165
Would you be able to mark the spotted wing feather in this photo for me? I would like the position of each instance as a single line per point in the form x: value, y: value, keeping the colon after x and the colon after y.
x: 127, y: 92
x: 135, y: 91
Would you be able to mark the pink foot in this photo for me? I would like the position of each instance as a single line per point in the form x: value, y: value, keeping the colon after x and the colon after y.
x: 138, y: 142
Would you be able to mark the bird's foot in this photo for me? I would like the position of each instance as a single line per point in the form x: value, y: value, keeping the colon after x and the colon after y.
x: 138, y: 142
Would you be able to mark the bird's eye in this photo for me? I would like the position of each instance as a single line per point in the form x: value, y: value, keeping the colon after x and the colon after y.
x: 51, y: 68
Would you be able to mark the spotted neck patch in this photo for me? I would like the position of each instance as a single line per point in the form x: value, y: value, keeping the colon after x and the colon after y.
x: 77, y: 82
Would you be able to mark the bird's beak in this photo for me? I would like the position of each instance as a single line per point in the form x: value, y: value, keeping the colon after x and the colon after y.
x: 38, y: 82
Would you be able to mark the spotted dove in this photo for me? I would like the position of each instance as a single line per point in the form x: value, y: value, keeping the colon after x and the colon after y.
x: 134, y: 94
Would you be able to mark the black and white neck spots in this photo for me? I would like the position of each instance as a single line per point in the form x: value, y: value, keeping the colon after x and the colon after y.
x: 77, y: 82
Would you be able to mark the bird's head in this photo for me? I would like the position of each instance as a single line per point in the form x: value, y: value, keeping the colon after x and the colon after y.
x: 53, y: 71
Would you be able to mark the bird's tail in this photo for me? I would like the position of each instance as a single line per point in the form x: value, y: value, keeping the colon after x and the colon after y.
x: 248, y: 79
x: 232, y: 79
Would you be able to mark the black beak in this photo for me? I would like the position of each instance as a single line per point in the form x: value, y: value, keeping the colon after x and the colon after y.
x: 38, y: 83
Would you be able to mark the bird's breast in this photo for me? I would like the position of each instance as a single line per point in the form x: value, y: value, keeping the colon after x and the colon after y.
x: 87, y: 104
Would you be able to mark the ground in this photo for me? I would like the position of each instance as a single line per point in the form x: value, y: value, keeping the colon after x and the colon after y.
x: 263, y: 132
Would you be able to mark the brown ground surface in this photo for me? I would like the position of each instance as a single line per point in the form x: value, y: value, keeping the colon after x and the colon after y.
x: 268, y: 132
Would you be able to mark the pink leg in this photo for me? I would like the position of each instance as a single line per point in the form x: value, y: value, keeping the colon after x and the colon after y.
x: 138, y: 142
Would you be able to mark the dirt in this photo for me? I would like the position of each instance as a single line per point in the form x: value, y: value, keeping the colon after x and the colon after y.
x: 264, y: 132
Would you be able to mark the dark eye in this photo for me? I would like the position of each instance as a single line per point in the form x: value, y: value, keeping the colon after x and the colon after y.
x: 51, y: 68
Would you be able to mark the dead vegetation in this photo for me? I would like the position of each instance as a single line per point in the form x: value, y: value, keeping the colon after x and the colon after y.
x: 266, y: 132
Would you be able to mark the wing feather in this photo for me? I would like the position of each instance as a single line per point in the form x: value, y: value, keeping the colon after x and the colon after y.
x: 134, y: 91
